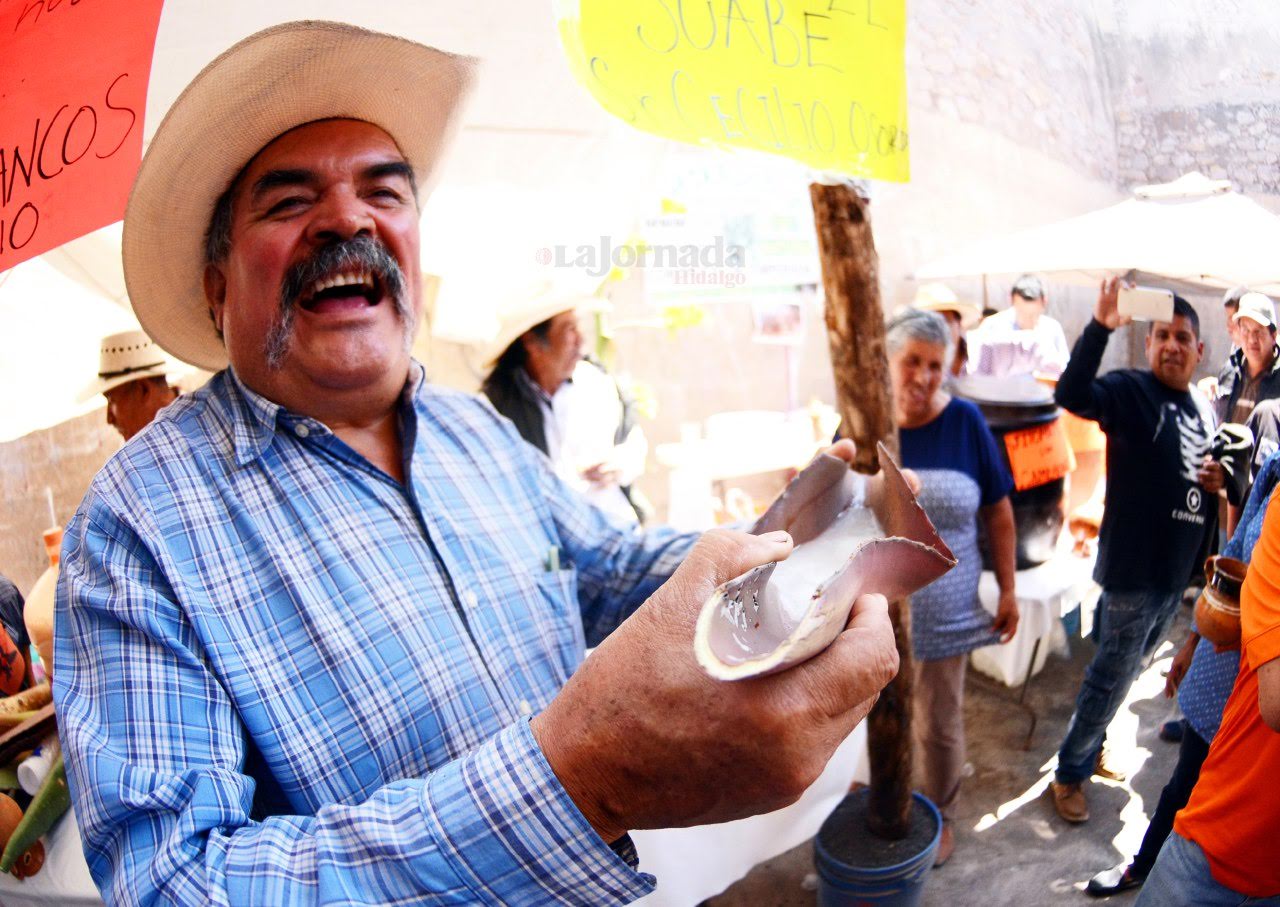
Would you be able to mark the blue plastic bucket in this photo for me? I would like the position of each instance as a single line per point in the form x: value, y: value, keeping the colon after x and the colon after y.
x: 842, y: 885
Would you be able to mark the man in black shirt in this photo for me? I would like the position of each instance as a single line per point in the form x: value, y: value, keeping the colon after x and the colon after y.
x: 1160, y: 513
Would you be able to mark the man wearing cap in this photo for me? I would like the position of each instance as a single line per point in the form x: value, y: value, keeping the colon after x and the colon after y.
x: 1254, y: 375
x: 1022, y: 339
x: 133, y: 376
x: 320, y: 628
x: 567, y: 407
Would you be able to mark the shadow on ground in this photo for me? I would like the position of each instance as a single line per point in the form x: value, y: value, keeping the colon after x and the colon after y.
x: 1011, y: 848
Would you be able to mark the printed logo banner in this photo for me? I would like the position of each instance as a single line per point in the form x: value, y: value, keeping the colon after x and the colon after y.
x: 820, y: 81
x: 72, y: 99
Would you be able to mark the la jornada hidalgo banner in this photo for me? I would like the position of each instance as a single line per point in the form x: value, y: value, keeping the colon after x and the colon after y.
x: 72, y: 96
x: 821, y: 81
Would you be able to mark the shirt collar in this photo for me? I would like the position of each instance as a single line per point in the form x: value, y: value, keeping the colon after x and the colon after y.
x: 252, y: 434
x: 533, y: 387
x: 1242, y: 366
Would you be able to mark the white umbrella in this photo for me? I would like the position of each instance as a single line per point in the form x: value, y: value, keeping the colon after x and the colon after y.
x: 1193, y: 230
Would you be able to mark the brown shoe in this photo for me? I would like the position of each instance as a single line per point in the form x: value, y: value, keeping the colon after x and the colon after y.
x: 1103, y: 768
x: 1069, y: 801
x: 946, y: 845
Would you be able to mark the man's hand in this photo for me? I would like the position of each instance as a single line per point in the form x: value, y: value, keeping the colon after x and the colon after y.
x: 1107, y: 309
x: 1211, y: 475
x: 1178, y: 667
x: 1006, y: 622
x: 641, y: 737
x: 1209, y: 387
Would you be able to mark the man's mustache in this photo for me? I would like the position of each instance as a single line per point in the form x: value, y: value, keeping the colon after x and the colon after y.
x: 360, y: 253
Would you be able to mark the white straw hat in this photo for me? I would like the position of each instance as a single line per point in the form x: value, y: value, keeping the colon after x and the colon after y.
x: 938, y: 297
x: 538, y: 302
x: 128, y: 356
x: 269, y: 83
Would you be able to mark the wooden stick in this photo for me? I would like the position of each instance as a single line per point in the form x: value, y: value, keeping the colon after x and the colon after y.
x: 855, y: 332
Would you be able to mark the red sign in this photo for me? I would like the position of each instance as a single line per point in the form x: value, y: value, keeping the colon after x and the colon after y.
x: 72, y: 96
x: 1039, y: 455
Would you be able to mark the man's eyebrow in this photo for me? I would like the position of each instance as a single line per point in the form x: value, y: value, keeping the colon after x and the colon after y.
x: 390, y: 168
x: 274, y: 179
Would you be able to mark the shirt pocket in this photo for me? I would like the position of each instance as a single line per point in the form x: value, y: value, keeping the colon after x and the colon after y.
x: 557, y: 592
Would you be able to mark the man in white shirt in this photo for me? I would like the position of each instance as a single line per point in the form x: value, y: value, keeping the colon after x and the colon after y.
x: 1020, y: 340
x: 566, y: 406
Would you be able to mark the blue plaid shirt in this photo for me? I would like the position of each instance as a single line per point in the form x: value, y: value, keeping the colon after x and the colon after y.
x: 283, y: 678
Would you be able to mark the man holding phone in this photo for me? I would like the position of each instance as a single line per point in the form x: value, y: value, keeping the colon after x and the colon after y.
x: 1159, y: 512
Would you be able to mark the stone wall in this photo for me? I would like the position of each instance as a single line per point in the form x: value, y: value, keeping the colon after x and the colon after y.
x: 1197, y: 87
x: 1033, y: 72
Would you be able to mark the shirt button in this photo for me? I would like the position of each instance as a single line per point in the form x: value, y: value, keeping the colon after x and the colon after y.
x: 301, y: 430
x: 470, y: 599
x: 525, y: 709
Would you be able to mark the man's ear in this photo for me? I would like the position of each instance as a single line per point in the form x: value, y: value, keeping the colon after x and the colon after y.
x: 215, y: 292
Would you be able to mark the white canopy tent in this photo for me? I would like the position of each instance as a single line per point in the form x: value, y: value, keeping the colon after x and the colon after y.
x: 1193, y: 231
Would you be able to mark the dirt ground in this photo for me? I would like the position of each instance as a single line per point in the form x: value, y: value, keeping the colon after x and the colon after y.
x: 1011, y: 848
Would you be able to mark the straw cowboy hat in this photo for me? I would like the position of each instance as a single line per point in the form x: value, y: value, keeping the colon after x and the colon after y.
x: 535, y: 305
x: 128, y: 356
x: 269, y: 83
x: 938, y: 297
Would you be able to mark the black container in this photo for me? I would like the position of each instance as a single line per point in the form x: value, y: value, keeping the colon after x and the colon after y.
x: 1011, y: 405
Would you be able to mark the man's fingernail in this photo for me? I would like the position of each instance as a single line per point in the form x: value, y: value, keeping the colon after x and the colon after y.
x: 781, y: 537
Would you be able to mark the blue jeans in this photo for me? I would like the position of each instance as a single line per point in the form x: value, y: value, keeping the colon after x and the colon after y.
x: 1129, y: 626
x: 1181, y: 876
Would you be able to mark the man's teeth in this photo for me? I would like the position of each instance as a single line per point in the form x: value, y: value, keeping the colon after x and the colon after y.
x: 361, y: 279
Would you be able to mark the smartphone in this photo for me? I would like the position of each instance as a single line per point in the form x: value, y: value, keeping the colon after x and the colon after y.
x: 1146, y: 303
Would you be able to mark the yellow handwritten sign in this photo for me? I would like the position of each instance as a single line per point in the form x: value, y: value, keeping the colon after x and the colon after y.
x: 820, y: 81
x: 1038, y: 455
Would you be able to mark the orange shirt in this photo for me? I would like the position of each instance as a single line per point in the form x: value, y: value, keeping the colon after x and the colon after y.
x: 1234, y: 813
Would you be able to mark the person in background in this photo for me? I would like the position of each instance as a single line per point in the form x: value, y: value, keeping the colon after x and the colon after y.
x: 567, y: 407
x: 1254, y: 375
x: 960, y: 317
x: 1223, y: 848
x: 1230, y: 305
x: 11, y: 618
x: 133, y: 374
x: 1020, y: 340
x: 1201, y: 676
x: 964, y: 481
x: 1158, y: 520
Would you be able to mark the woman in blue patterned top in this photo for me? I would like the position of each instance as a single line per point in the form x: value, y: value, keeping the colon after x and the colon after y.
x: 964, y: 480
